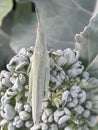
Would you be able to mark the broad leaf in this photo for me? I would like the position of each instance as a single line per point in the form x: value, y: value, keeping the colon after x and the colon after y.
x: 5, y: 7
x: 62, y: 20
x: 87, y: 44
x: 24, y: 28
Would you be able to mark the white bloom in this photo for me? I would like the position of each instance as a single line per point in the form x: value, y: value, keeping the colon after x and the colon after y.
x: 58, y: 53
x: 50, y: 119
x: 29, y: 124
x: 17, y: 85
x: 24, y: 115
x: 9, y: 112
x: 67, y: 128
x: 89, y: 105
x: 85, y: 75
x: 18, y: 106
x: 61, y: 61
x: 10, y: 126
x: 63, y: 119
x: 44, y: 126
x: 6, y: 82
x: 36, y: 127
x: 65, y: 96
x: 67, y: 111
x: 86, y: 113
x: 92, y: 121
x: 58, y: 114
x: 3, y: 122
x: 27, y: 108
x: 53, y: 127
x: 11, y: 92
x: 79, y: 109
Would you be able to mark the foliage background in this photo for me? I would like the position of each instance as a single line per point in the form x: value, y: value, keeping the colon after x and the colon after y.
x: 63, y: 19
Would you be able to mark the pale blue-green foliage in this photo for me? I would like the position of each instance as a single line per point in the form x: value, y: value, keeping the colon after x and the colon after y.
x: 62, y: 20
x: 72, y: 97
x: 87, y: 44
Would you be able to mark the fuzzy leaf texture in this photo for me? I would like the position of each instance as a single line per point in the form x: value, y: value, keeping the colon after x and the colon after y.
x: 61, y: 19
x: 86, y: 43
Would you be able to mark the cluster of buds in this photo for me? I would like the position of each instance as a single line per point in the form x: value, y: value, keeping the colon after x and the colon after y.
x: 72, y: 96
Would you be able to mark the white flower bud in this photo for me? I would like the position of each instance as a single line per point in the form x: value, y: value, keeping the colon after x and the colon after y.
x: 19, y: 106
x: 11, y: 92
x: 24, y: 115
x: 5, y: 74
x: 75, y: 88
x: 65, y: 96
x: 79, y: 109
x: 73, y: 103
x: 86, y: 113
x: 10, y: 126
x: 58, y: 114
x: 83, y: 83
x: 44, y: 117
x: 72, y: 73
x: 45, y: 105
x: 89, y: 105
x: 44, y: 126
x: 36, y: 127
x: 19, y: 123
x: 9, y: 112
x: 5, y: 99
x: 67, y: 111
x: 46, y: 114
x: 82, y: 97
x: 26, y: 94
x: 63, y: 119
x: 16, y: 118
x: 61, y: 61
x: 53, y: 79
x: 85, y: 75
x: 48, y: 111
x: 92, y: 121
x: 62, y: 75
x: 6, y: 82
x: 29, y: 124
x: 58, y: 53
x: 27, y: 108
x: 17, y: 85
x: 74, y: 93
x: 53, y: 127
x: 71, y: 56
x: 3, y: 122
x: 50, y: 119
x: 67, y: 128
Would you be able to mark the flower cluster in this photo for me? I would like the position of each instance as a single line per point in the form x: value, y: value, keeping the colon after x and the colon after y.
x: 72, y: 102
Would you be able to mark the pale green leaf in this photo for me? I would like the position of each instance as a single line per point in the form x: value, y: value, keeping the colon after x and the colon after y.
x: 87, y: 44
x: 62, y: 20
x: 5, y: 7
